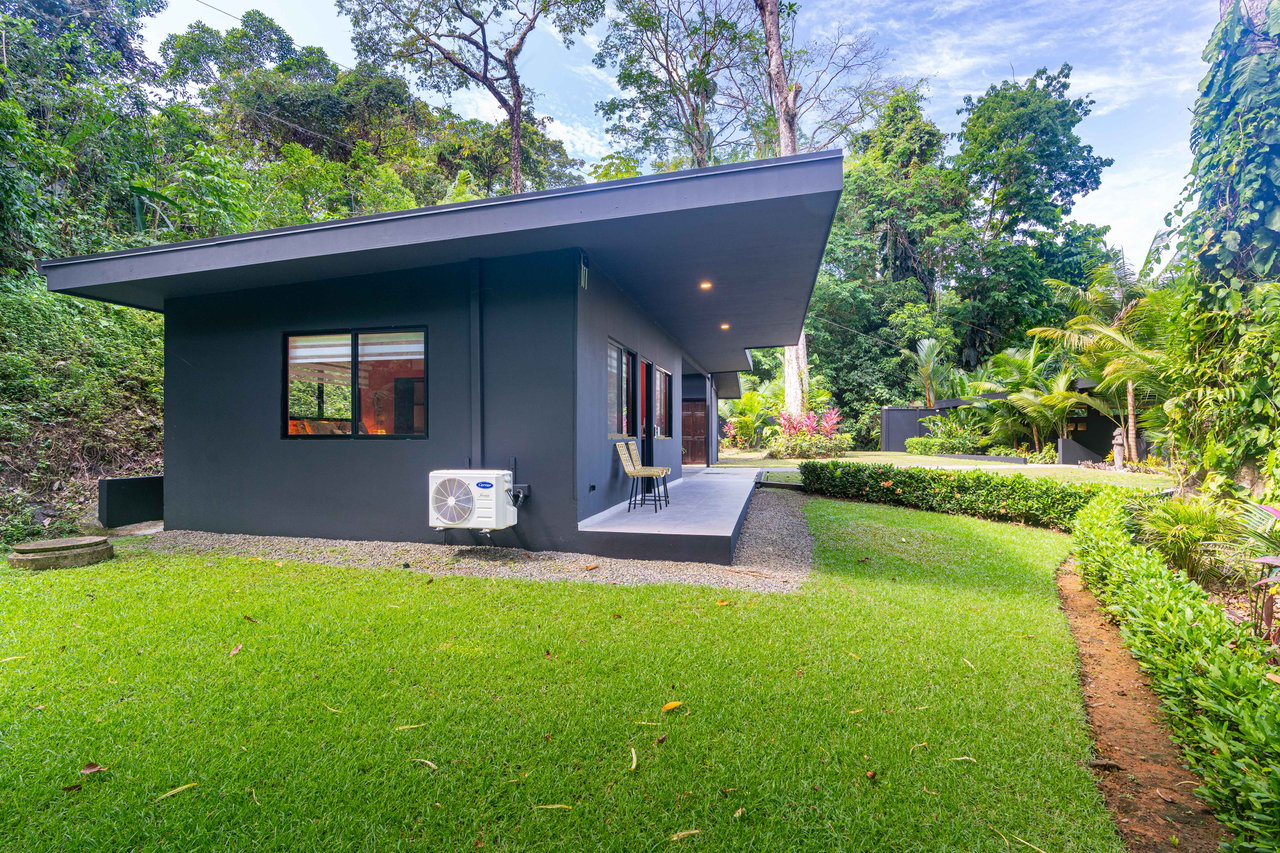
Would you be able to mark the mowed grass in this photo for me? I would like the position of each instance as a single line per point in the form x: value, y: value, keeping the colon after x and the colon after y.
x: 919, y: 694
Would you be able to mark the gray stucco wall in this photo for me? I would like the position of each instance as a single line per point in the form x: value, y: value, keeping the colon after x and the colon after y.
x: 604, y: 314
x: 229, y: 470
x: 543, y: 392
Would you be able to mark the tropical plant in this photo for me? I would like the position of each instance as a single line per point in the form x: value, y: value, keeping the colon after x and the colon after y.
x: 1195, y: 534
x: 808, y: 436
x: 929, y: 361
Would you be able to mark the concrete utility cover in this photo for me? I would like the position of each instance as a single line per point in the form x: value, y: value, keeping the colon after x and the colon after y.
x: 59, y: 544
x: 61, y: 553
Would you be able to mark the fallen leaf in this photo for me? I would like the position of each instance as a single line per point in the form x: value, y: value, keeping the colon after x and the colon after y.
x: 633, y: 758
x: 547, y: 655
x: 1162, y: 795
x: 723, y: 603
x: 76, y: 787
x: 740, y: 811
x: 424, y: 761
x: 965, y: 758
x: 177, y: 790
x: 857, y: 710
x: 555, y: 806
x: 671, y: 706
x: 411, y: 726
x: 871, y: 774
x: 15, y: 657
x: 1272, y: 677
x: 590, y: 568
x: 279, y: 564
x: 927, y: 791
x: 250, y: 618
x: 661, y: 739
x: 236, y: 650
x: 92, y: 767
x: 681, y: 836
x: 727, y: 790
x: 331, y: 710
x: 924, y: 745
x: 971, y: 666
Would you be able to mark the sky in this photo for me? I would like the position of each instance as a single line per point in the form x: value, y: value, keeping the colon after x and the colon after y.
x: 1140, y: 60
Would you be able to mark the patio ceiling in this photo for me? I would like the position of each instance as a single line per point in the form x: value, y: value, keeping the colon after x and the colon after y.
x: 756, y: 231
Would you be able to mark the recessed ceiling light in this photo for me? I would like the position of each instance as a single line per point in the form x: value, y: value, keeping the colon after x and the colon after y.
x: 706, y: 285
x: 724, y: 326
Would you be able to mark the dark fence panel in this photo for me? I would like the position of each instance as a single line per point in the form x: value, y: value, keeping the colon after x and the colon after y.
x: 897, y: 424
x: 1072, y: 452
x: 130, y: 500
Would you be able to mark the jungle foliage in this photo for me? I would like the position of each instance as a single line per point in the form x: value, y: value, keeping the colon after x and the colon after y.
x: 231, y: 130
x: 952, y: 248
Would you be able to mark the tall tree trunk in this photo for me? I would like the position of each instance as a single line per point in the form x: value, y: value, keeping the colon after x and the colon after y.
x: 514, y: 110
x: 1131, y: 428
x: 1035, y: 437
x: 795, y: 359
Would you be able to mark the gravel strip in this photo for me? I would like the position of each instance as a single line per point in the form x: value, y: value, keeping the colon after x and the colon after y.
x: 773, y: 555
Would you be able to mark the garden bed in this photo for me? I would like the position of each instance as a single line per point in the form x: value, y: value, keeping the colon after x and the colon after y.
x: 1138, y: 768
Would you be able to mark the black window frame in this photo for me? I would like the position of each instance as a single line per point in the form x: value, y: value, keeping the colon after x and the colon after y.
x: 661, y: 430
x: 626, y: 390
x: 354, y: 335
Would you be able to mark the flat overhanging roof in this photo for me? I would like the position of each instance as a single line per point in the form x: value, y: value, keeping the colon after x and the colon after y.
x: 755, y: 230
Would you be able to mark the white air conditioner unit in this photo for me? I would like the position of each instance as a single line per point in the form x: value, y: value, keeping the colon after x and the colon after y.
x: 471, y: 499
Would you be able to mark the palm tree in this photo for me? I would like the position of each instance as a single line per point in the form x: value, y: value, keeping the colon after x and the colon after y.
x: 1116, y: 337
x: 929, y: 359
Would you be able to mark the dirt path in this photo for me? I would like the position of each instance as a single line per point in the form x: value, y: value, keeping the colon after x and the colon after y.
x: 1138, y: 769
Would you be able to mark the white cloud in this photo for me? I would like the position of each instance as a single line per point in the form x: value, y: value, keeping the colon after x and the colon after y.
x: 597, y: 76
x: 474, y: 103
x: 580, y: 140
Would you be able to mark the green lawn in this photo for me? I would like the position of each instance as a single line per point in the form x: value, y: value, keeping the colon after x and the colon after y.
x: 928, y: 650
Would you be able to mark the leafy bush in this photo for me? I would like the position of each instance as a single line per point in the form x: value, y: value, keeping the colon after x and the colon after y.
x: 924, y: 446
x: 809, y: 436
x: 809, y: 446
x: 953, y: 435
x: 1211, y: 673
x: 1046, y: 455
x: 928, y: 445
x: 1189, y: 533
x: 1002, y: 497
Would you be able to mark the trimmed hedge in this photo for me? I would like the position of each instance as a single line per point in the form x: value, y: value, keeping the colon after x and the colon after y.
x: 1210, y: 672
x: 1000, y: 497
x: 932, y: 445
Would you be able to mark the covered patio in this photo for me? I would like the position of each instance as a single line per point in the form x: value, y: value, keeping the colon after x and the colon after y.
x: 708, y: 506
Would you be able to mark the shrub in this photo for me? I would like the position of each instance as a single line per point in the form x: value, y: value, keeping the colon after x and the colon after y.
x: 951, y: 435
x: 924, y: 446
x: 1189, y: 533
x: 1211, y: 673
x: 930, y: 445
x: 1002, y: 497
x: 809, y: 436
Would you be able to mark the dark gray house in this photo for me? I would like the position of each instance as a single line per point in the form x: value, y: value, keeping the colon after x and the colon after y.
x: 315, y: 375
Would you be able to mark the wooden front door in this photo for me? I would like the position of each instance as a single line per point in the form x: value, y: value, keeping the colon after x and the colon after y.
x: 693, y: 431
